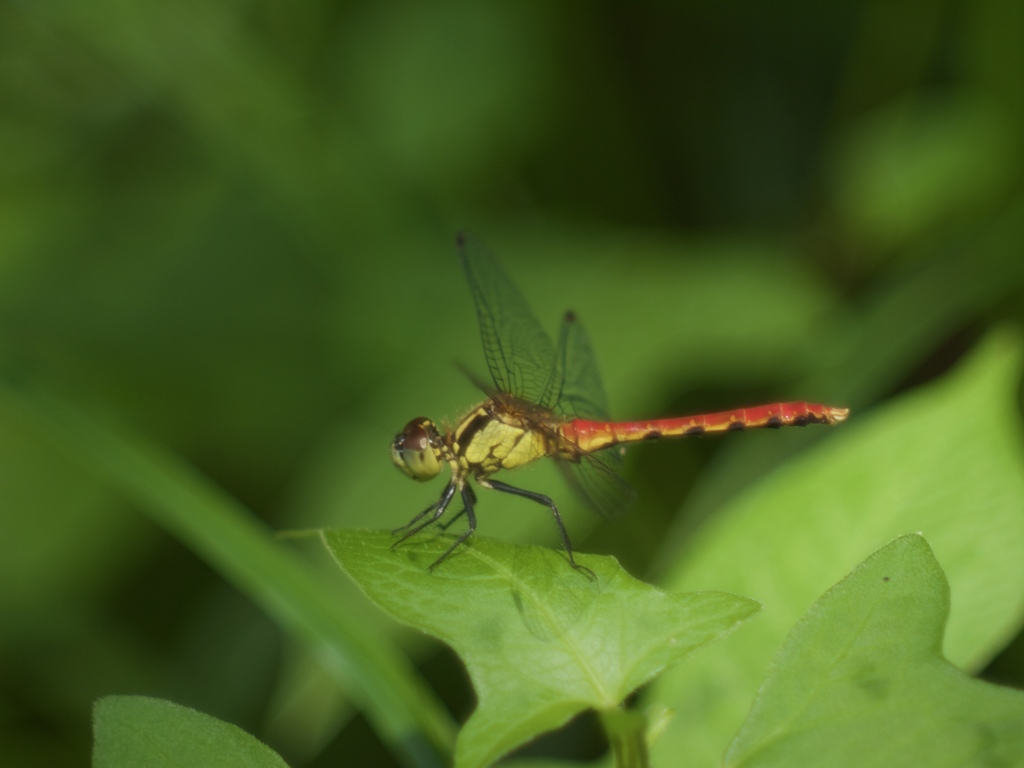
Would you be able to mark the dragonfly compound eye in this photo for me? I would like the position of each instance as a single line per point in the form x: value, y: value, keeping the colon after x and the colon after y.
x: 413, y: 450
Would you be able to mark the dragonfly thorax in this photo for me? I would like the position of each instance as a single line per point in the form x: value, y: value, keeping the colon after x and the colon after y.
x: 417, y: 449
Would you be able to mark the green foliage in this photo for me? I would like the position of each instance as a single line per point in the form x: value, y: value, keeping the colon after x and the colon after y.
x: 245, y: 553
x: 226, y: 279
x: 131, y: 731
x: 861, y: 680
x: 540, y: 640
x: 946, y: 461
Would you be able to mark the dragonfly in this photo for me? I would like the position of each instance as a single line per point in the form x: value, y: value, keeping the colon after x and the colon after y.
x: 545, y: 400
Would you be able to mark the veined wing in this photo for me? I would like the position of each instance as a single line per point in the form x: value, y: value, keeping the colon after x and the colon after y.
x: 581, y: 395
x: 579, y: 391
x: 518, y: 352
x: 596, y: 479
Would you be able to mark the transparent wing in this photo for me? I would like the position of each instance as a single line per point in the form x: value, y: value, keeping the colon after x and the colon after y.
x: 523, y: 362
x: 581, y: 395
x: 518, y: 352
x: 579, y: 392
x: 596, y: 479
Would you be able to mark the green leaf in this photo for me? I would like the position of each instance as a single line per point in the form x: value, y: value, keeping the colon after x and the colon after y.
x: 132, y: 731
x: 945, y: 460
x: 861, y: 680
x: 541, y: 641
x: 408, y: 718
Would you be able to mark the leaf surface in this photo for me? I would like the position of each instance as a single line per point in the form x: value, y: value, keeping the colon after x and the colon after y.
x: 541, y: 641
x: 861, y: 680
x: 133, y: 731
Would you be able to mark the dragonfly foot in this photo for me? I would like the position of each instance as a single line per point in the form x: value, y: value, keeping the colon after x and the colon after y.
x: 582, y: 569
x: 454, y: 546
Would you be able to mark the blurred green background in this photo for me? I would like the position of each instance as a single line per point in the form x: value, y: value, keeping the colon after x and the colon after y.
x: 230, y: 225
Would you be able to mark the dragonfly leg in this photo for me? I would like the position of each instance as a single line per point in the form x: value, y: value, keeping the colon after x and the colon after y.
x: 414, y: 526
x: 415, y: 520
x: 468, y: 500
x: 540, y: 498
x: 472, y: 497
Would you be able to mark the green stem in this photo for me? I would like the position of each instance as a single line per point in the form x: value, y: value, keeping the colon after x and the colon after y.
x: 626, y: 730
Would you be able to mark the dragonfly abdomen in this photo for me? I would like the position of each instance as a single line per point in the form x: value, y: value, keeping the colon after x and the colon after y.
x: 597, y: 435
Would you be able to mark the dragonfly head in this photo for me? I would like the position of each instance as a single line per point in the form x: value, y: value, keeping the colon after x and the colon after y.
x: 416, y: 450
